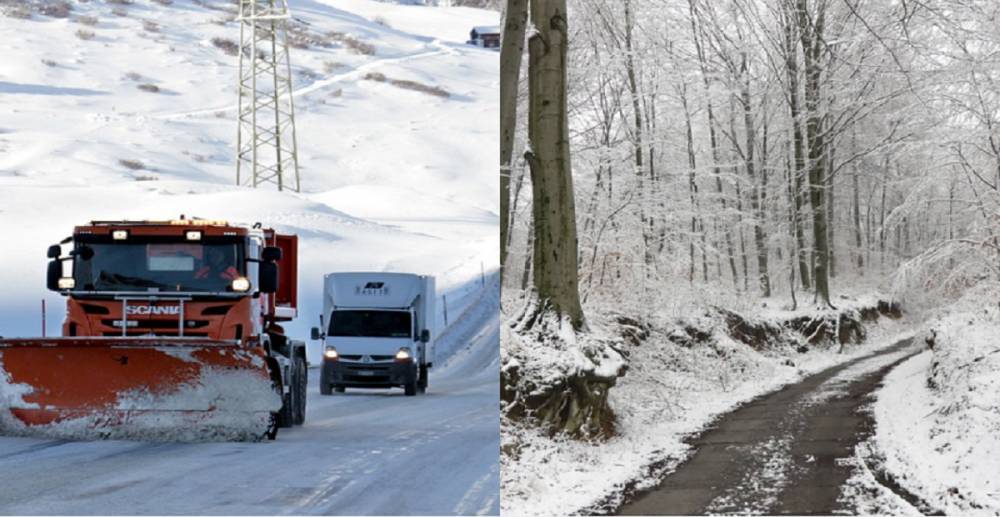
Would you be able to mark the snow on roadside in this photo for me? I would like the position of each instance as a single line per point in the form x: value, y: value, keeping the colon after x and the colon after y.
x: 670, y: 392
x: 938, y: 415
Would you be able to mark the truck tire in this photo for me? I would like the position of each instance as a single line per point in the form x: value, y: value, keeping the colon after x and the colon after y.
x: 300, y: 379
x: 286, y: 415
x: 272, y: 427
x: 325, y: 388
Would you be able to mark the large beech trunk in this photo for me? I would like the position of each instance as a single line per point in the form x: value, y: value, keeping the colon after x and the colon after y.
x: 555, y: 253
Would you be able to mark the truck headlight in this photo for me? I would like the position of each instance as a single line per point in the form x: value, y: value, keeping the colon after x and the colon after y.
x: 241, y: 285
x: 404, y: 354
x: 119, y: 235
x: 67, y: 283
x: 192, y: 235
x: 331, y: 353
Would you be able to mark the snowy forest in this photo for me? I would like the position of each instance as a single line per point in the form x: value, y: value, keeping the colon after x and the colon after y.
x: 664, y: 158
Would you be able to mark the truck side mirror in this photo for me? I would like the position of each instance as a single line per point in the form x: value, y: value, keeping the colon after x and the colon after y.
x: 316, y: 336
x: 270, y: 254
x: 54, y: 251
x: 268, y: 277
x: 425, y: 336
x: 54, y: 274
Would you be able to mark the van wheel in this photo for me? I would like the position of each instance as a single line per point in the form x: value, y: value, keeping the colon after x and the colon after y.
x: 410, y: 388
x: 422, y: 383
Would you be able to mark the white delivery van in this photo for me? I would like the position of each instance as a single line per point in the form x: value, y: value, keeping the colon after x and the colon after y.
x: 377, y: 330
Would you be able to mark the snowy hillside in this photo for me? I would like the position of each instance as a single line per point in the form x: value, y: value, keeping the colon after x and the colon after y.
x: 128, y: 111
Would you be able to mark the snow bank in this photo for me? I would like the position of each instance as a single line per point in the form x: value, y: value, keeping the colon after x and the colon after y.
x: 938, y: 416
x: 680, y: 376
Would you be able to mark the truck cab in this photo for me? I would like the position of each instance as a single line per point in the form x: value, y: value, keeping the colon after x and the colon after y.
x: 377, y: 331
x: 187, y: 284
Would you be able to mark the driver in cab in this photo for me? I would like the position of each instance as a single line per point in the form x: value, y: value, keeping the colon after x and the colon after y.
x: 216, y: 266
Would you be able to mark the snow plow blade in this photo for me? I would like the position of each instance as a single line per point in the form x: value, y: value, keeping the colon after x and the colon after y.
x: 161, y: 389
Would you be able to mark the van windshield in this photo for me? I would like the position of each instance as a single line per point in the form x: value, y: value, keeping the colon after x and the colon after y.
x: 361, y: 323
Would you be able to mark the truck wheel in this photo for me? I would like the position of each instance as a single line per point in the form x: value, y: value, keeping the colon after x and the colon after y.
x: 339, y: 389
x: 286, y: 416
x: 325, y: 388
x: 272, y: 427
x: 300, y: 389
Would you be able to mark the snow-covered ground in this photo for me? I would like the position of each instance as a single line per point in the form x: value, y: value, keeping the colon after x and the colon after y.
x: 669, y: 393
x: 938, y: 415
x: 393, y: 180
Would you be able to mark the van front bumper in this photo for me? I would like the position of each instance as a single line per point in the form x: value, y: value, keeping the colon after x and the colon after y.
x: 367, y: 375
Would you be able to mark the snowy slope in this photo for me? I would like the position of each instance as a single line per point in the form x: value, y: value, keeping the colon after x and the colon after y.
x: 393, y: 179
x: 938, y: 416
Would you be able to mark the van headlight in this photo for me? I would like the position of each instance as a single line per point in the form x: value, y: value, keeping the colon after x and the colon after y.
x: 331, y: 353
x: 404, y: 354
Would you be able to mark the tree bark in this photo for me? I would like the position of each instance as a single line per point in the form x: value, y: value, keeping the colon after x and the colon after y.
x: 811, y: 37
x: 693, y: 192
x: 792, y: 75
x: 637, y: 140
x: 555, y: 254
x: 756, y: 196
x: 511, y: 51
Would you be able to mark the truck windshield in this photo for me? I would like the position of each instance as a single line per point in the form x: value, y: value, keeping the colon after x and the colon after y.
x: 370, y: 324
x: 158, y: 266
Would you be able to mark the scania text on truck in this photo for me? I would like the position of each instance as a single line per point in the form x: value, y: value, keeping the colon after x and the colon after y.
x: 172, y: 329
x: 377, y: 330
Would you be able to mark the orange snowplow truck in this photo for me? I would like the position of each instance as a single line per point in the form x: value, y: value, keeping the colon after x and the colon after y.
x: 172, y: 332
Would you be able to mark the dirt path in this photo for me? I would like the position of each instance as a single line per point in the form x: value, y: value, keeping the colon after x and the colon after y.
x: 785, y: 453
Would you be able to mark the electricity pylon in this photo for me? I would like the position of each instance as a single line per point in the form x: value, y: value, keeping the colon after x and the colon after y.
x: 266, y: 148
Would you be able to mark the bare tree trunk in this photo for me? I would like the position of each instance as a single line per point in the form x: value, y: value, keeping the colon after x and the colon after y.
x: 811, y: 37
x: 555, y: 258
x: 637, y: 143
x: 830, y: 216
x: 792, y: 216
x: 857, y: 206
x: 529, y: 247
x: 792, y: 75
x: 756, y: 195
x: 881, y: 224
x: 693, y: 191
x: 511, y: 51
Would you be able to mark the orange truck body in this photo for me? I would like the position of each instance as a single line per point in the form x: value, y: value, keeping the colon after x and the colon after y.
x: 169, y: 362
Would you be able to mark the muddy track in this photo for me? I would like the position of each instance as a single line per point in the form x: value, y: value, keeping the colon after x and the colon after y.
x: 789, y: 452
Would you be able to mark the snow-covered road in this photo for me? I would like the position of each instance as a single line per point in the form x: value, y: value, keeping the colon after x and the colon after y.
x: 364, y: 452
